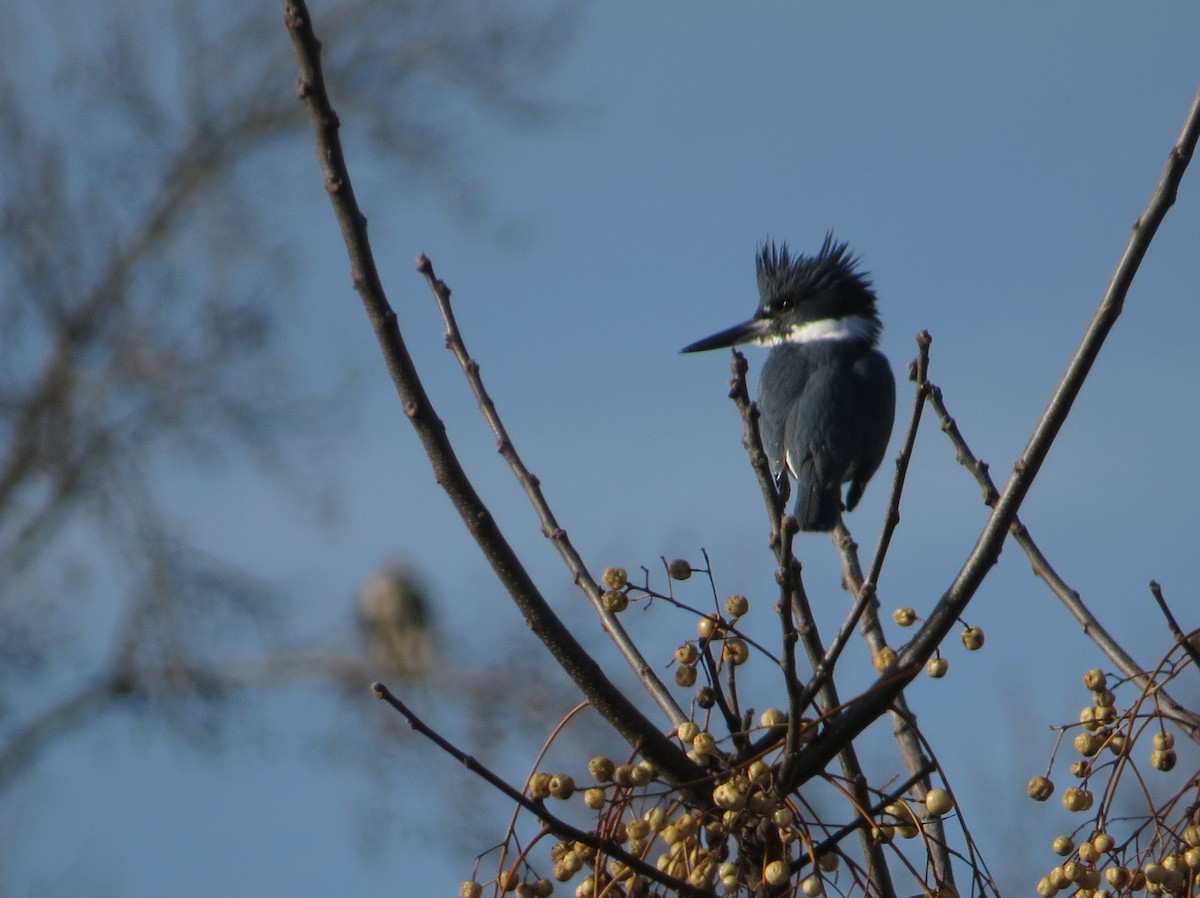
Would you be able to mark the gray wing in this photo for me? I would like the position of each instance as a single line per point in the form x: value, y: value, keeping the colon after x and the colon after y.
x: 875, y: 397
x: 788, y: 374
x: 807, y: 403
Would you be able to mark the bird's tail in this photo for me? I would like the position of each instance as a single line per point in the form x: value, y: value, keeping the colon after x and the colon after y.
x: 818, y: 508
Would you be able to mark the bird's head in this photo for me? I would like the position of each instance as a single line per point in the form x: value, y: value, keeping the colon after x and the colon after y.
x: 805, y: 298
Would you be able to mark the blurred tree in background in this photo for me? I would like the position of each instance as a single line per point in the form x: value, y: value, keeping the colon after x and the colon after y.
x: 142, y: 299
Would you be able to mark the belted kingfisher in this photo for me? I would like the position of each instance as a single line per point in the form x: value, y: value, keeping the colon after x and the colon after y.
x: 826, y: 396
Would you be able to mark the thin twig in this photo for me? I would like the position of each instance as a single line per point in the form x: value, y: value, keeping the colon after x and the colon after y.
x: 612, y: 704
x: 865, y: 592
x: 1176, y: 630
x: 533, y: 489
x: 920, y: 375
x: 827, y: 845
x: 904, y: 729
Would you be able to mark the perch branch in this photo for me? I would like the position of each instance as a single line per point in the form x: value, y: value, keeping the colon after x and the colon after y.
x: 794, y: 601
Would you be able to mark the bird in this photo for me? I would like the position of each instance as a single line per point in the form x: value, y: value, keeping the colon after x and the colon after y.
x: 826, y: 396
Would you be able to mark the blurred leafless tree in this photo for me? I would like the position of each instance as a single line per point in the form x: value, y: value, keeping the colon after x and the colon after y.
x: 140, y: 291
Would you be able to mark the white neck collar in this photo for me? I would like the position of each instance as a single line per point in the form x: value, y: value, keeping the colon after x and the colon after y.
x: 853, y: 327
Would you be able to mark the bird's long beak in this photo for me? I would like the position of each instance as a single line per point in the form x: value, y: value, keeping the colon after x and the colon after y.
x: 753, y: 329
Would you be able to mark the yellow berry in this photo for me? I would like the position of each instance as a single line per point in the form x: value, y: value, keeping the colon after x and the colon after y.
x: 1063, y: 845
x: 972, y: 639
x: 938, y: 802
x: 562, y: 786
x: 776, y: 873
x: 728, y: 796
x: 1087, y: 744
x: 1040, y: 788
x: 614, y: 601
x: 735, y: 651
x: 470, y: 889
x: 736, y: 605
x: 1046, y: 888
x: 773, y: 717
x: 1163, y: 760
x: 1155, y: 873
x: 601, y: 769
x: 615, y: 577
x: 685, y: 676
x: 812, y: 887
x: 937, y: 667
x: 885, y: 659
x: 1094, y: 679
x: 1076, y: 799
x: 679, y: 569
x: 539, y: 785
x: 905, y: 617
x: 1117, y: 877
x: 1103, y: 842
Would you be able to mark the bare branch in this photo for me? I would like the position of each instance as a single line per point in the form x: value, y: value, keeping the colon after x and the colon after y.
x: 608, y: 700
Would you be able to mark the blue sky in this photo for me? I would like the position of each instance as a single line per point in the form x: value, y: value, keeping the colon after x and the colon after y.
x: 985, y: 162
